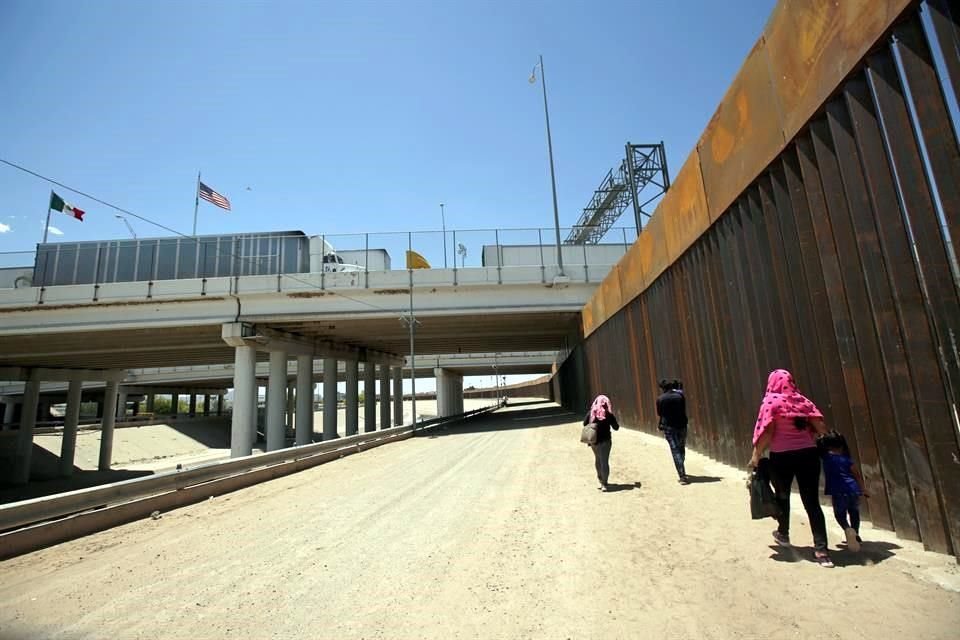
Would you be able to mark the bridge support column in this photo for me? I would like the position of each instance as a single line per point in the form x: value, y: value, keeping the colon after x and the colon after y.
x: 291, y: 401
x: 174, y: 403
x: 243, y: 425
x: 8, y: 410
x: 276, y: 400
x: 219, y: 404
x: 28, y: 420
x: 206, y: 404
x: 369, y: 397
x: 106, y: 426
x: 122, y: 404
x: 330, y: 399
x: 192, y: 409
x: 449, y: 392
x: 150, y: 399
x: 384, y: 396
x: 71, y: 419
x: 304, y: 417
x: 397, y: 396
x: 352, y: 397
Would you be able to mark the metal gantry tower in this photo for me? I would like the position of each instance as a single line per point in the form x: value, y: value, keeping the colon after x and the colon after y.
x: 641, y: 178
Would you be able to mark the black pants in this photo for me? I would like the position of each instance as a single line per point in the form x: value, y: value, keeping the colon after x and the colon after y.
x: 804, y: 464
x: 677, y: 439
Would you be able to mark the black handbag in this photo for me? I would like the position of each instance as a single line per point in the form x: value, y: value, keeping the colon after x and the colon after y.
x: 763, y: 501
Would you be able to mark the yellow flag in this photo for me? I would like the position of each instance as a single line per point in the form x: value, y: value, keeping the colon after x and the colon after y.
x: 416, y: 261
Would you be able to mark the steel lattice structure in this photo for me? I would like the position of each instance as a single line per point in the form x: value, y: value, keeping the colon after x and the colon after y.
x: 645, y: 169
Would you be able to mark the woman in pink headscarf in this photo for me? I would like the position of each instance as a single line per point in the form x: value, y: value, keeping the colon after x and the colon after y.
x: 788, y: 424
x: 601, y: 414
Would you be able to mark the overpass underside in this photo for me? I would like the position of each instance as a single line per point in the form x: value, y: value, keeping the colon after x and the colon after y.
x: 810, y: 230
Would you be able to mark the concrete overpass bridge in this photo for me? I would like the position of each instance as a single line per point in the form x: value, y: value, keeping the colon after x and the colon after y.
x: 229, y: 331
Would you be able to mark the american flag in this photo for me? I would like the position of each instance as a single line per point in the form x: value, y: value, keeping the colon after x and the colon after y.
x: 213, y: 197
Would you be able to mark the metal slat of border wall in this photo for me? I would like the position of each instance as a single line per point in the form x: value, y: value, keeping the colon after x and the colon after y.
x: 844, y: 382
x: 941, y: 300
x: 872, y: 306
x: 718, y: 418
x: 649, y: 361
x: 799, y: 292
x: 885, y: 251
x: 692, y: 374
x: 637, y: 356
x: 726, y: 336
x: 943, y: 157
x: 771, y: 354
x: 852, y: 319
x: 738, y: 330
x: 837, y: 410
x: 782, y: 286
x: 934, y: 120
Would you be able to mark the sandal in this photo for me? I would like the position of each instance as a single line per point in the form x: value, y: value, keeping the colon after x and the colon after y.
x: 823, y: 559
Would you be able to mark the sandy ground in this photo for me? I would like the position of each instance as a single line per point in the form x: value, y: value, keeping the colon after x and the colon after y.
x: 492, y: 530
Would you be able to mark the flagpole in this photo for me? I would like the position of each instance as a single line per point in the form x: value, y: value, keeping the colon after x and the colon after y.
x: 553, y: 179
x: 47, y: 225
x: 196, y: 205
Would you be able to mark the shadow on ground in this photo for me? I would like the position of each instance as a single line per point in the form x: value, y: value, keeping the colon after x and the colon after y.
x: 871, y: 552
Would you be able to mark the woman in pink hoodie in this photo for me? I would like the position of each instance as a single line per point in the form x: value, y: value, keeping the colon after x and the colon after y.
x: 788, y: 424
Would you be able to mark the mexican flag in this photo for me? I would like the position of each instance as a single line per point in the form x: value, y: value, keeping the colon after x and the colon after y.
x: 57, y: 204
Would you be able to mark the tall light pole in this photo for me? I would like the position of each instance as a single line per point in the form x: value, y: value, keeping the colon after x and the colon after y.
x: 553, y: 179
x: 443, y: 224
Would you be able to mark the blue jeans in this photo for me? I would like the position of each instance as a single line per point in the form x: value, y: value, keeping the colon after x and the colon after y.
x: 847, y: 504
x: 677, y: 439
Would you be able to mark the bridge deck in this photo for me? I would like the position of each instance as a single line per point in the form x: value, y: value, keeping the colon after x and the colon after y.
x: 494, y: 529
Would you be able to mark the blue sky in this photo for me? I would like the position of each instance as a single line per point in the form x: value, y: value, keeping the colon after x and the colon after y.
x: 346, y: 117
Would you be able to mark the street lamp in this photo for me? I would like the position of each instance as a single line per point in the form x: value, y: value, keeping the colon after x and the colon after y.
x: 443, y: 223
x: 553, y: 179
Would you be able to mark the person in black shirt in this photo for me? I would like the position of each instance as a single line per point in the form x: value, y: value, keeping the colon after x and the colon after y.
x: 672, y: 409
x: 601, y: 414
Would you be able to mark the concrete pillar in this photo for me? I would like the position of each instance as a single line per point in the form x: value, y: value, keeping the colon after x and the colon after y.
x: 397, y: 396
x: 304, y: 417
x: 352, y: 397
x: 384, y: 396
x: 291, y: 401
x: 369, y: 397
x: 150, y: 399
x: 122, y: 403
x: 192, y: 409
x: 28, y: 419
x: 259, y: 422
x: 276, y: 400
x: 206, y: 404
x: 449, y: 392
x: 68, y: 447
x: 106, y: 426
x: 243, y: 423
x: 330, y: 398
x: 8, y: 409
x: 219, y: 404
x: 174, y: 403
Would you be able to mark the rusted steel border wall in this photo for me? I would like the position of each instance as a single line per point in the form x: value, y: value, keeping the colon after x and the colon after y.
x: 803, y: 233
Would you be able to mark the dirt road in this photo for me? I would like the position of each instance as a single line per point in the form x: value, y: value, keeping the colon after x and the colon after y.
x: 494, y: 530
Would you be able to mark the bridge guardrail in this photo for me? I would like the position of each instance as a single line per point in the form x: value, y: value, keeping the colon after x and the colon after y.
x: 38, y: 510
